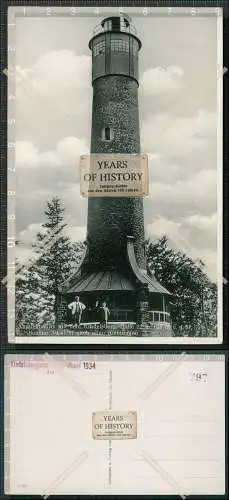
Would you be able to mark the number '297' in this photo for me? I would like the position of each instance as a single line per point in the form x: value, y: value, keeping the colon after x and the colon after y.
x: 198, y: 377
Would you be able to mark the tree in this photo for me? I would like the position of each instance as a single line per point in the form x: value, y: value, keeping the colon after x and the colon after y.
x: 34, y: 306
x: 56, y: 258
x: 193, y: 295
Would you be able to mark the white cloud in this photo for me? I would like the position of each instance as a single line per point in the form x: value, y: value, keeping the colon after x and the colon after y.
x: 197, y: 193
x: 179, y: 238
x: 49, y: 158
x: 56, y: 71
x: 179, y: 137
x: 27, y: 236
x: 203, y: 222
x: 67, y: 152
x: 26, y: 154
x: 162, y: 226
x: 69, y: 149
x: 173, y: 230
x: 48, y: 96
x: 76, y: 233
x: 161, y: 80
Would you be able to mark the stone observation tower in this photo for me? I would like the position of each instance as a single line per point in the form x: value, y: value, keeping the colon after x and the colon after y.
x: 114, y: 265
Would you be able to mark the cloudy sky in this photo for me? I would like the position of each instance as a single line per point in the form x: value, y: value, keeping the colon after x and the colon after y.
x: 178, y: 115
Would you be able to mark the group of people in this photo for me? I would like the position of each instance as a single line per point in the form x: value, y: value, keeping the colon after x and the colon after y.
x: 99, y: 313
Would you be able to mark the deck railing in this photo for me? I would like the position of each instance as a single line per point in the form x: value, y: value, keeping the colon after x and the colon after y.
x: 159, y: 316
x: 123, y: 29
x: 122, y: 315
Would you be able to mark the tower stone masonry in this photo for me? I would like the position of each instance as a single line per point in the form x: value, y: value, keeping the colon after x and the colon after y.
x: 114, y: 266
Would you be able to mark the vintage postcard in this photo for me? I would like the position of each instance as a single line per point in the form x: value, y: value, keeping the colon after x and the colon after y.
x: 115, y: 175
x: 117, y: 424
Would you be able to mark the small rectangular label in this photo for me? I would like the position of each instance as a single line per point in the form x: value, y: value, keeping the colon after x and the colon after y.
x: 114, y: 425
x: 114, y: 175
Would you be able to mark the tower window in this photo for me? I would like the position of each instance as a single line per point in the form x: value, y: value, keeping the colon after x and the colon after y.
x: 99, y: 48
x: 107, y: 134
x: 107, y: 26
x: 120, y: 45
x: 124, y: 24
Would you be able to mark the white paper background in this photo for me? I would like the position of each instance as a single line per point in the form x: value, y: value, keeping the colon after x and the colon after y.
x: 180, y: 427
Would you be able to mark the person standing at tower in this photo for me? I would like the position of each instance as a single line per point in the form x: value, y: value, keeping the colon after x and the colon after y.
x: 104, y: 313
x: 77, y: 309
x: 96, y: 311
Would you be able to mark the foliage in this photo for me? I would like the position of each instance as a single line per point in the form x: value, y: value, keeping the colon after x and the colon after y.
x: 193, y: 300
x: 56, y: 258
x: 194, y: 297
x: 34, y: 305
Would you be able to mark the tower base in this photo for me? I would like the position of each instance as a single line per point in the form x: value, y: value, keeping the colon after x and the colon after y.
x: 137, y: 302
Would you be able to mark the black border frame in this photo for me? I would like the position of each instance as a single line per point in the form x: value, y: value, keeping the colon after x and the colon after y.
x: 3, y: 139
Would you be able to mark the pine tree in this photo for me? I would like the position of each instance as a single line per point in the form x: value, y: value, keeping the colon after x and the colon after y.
x: 194, y: 296
x: 56, y: 258
x: 34, y: 306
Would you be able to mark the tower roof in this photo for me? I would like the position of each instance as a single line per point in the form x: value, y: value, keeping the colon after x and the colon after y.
x: 100, y: 281
x: 153, y: 285
x: 123, y: 20
x: 122, y: 24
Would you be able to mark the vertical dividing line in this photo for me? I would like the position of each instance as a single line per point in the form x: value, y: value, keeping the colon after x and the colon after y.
x: 219, y: 169
x: 107, y: 41
x: 110, y: 389
x: 130, y: 53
